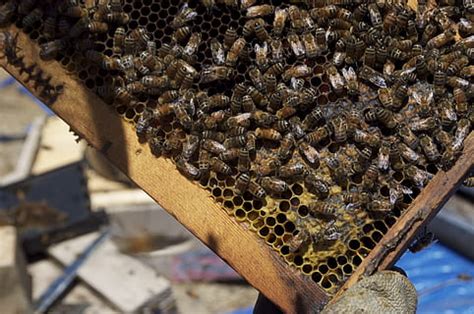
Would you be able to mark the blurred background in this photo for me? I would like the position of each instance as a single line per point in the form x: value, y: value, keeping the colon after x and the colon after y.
x: 77, y: 237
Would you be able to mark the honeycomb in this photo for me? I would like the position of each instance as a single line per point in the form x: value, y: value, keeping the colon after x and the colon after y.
x: 283, y: 220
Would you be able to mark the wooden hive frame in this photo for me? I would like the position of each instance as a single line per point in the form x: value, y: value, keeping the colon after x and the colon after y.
x: 262, y: 267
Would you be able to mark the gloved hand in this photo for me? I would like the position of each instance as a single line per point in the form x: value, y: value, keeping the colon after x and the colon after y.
x: 382, y: 293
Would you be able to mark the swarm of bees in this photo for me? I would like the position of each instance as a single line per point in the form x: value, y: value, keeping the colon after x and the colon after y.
x: 400, y: 82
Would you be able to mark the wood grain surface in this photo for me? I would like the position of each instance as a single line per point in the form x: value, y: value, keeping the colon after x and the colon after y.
x: 191, y: 205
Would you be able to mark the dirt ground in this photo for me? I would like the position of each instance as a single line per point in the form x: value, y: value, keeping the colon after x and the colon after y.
x: 17, y: 112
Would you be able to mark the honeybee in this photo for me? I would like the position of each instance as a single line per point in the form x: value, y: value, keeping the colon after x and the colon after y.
x: 153, y: 81
x: 242, y: 120
x: 375, y: 16
x: 296, y: 71
x: 209, y: 4
x: 49, y: 50
x: 296, y: 18
x: 407, y: 153
x: 193, y: 44
x: 218, y: 54
x: 422, y: 241
x: 385, y: 97
x: 383, y: 159
x: 120, y: 18
x: 291, y: 170
x: 287, y: 144
x: 188, y: 169
x: 469, y: 182
x: 351, y: 78
x: 364, y: 137
x: 370, y: 177
x: 235, y: 141
x: 429, y: 148
x: 316, y: 186
x: 256, y: 190
x: 309, y: 153
x: 260, y: 31
x: 168, y: 96
x: 31, y: 18
x: 242, y: 182
x: 216, y: 73
x: 115, y: 5
x: 339, y: 128
x: 219, y: 166
x: 310, y: 45
x: 230, y: 154
x: 298, y: 240
x: 324, y: 208
x: 184, y: 16
x: 268, y: 134
x: 273, y: 185
x: 260, y: 10
x: 257, y: 97
x: 243, y: 164
x: 248, y: 104
x: 97, y: 27
x: 244, y: 4
x: 336, y: 79
x: 379, y: 206
x: 426, y: 124
x: 387, y: 117
x: 441, y: 39
x: 318, y: 135
x: 214, y: 135
x: 182, y: 115
x: 277, y: 52
x: 296, y: 45
x: 455, y: 81
x: 279, y: 21
x: 269, y: 83
x: 190, y: 146
x: 462, y: 131
x: 257, y: 78
x: 156, y: 146
x: 212, y: 146
x: 119, y: 38
x: 275, y: 69
x: 267, y: 166
x: 261, y: 56
x: 251, y: 142
x: 417, y: 176
x: 372, y: 76
x: 315, y: 116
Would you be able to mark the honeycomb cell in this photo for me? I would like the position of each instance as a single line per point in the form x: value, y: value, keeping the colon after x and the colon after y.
x: 270, y: 221
x: 263, y: 232
x: 316, y: 276
x: 240, y: 214
x: 279, y: 230
x: 307, y: 269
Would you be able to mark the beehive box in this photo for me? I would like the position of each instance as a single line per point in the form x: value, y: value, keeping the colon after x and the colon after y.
x: 252, y: 234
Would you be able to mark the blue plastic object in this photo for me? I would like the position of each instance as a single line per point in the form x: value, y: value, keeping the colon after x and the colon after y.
x: 444, y: 280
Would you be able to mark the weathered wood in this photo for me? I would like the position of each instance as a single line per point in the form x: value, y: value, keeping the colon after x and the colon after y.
x: 124, y: 281
x: 89, y: 117
x: 15, y: 288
